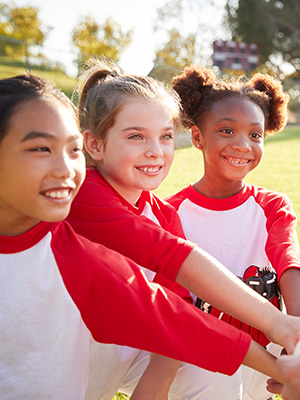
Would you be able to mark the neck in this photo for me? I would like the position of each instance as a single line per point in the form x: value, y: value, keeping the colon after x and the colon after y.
x: 209, y: 188
x: 16, y: 228
x: 131, y: 195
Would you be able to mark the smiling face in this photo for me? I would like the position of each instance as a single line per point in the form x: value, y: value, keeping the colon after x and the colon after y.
x: 41, y: 165
x: 138, y: 150
x: 231, y: 138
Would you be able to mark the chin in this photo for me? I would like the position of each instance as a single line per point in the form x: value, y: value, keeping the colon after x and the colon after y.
x: 57, y: 217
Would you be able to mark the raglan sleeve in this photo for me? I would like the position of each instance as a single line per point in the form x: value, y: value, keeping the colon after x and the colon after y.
x: 98, y: 214
x: 119, y: 305
x: 282, y: 246
x: 169, y: 220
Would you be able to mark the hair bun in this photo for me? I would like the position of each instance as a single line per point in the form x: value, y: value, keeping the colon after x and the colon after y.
x: 190, y: 86
x: 278, y: 100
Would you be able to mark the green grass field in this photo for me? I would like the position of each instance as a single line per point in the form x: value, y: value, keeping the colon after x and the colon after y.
x: 278, y: 171
x: 9, y: 67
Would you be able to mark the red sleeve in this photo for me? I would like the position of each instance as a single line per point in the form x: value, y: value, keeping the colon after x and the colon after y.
x: 99, y: 214
x: 174, y: 286
x: 176, y: 199
x: 167, y: 216
x: 282, y: 247
x: 119, y: 305
x: 168, y: 219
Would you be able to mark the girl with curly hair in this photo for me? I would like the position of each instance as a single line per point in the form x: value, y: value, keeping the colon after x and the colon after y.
x: 251, y: 230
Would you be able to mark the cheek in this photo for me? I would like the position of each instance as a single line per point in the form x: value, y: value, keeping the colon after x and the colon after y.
x: 80, y: 168
x: 260, y: 151
x: 128, y: 155
x: 171, y: 156
x: 169, y: 152
x: 168, y: 161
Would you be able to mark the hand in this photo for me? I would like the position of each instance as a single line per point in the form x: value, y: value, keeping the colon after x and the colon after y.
x: 289, y: 366
x: 286, y: 332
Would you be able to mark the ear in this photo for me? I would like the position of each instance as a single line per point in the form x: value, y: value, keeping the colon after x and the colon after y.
x: 197, y: 137
x: 93, y: 145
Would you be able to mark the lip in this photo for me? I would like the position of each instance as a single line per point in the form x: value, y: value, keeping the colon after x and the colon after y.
x: 58, y: 194
x: 237, y: 161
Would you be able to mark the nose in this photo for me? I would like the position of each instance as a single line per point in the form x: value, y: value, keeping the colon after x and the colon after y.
x: 154, y: 149
x: 63, y: 167
x: 242, y: 143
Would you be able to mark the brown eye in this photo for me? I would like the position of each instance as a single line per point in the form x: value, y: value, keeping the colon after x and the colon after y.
x: 40, y: 149
x: 228, y: 131
x: 256, y: 135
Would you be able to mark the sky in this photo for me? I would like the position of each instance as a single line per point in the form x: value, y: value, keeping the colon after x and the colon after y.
x: 139, y: 15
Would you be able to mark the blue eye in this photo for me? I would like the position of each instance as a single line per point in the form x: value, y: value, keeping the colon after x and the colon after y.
x: 135, y: 137
x: 168, y: 136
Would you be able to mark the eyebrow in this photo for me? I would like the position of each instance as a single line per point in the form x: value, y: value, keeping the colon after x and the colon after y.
x: 46, y: 135
x: 234, y: 120
x: 141, y: 128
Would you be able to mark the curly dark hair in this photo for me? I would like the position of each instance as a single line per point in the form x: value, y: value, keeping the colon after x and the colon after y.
x: 199, y: 88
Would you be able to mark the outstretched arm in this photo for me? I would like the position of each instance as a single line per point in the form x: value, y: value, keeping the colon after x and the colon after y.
x: 204, y: 276
x: 157, y: 378
x: 289, y: 287
x: 261, y: 360
x: 161, y: 371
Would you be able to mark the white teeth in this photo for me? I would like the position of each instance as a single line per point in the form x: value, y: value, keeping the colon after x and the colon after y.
x: 237, y: 160
x: 62, y: 194
x: 149, y: 169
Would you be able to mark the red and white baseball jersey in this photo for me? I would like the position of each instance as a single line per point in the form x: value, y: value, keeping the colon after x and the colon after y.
x: 254, y: 227
x: 59, y: 291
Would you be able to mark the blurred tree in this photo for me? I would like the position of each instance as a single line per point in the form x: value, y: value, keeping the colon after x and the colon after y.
x: 185, y: 29
x: 176, y: 54
x: 274, y: 25
x: 107, y: 40
x: 20, y: 30
x: 178, y: 51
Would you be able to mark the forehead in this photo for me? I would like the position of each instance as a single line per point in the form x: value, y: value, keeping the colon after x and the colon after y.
x: 238, y: 106
x: 136, y: 108
x: 43, y: 115
x: 237, y: 109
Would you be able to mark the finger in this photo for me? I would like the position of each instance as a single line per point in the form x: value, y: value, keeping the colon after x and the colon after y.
x: 274, y: 386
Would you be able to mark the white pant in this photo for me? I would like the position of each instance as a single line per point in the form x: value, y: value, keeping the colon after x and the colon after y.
x: 119, y: 368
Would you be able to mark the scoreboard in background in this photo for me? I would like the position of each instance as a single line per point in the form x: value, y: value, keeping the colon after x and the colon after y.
x: 235, y: 55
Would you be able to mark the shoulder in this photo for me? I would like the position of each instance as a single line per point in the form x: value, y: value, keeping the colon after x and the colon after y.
x: 94, y: 199
x: 166, y: 215
x: 93, y: 183
x: 157, y: 202
x: 66, y: 240
x: 275, y: 205
x: 268, y: 198
x: 71, y: 249
x: 176, y: 199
